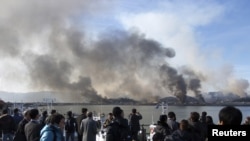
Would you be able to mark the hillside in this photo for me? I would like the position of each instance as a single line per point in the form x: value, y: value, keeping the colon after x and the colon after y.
x: 49, y: 97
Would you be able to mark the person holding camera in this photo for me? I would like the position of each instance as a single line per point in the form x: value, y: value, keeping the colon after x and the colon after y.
x: 134, y: 124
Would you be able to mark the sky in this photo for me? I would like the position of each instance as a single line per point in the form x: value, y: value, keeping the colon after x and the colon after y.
x: 126, y: 48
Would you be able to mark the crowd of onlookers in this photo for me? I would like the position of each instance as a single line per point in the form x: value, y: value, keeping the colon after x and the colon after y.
x: 30, y: 125
x: 195, y: 128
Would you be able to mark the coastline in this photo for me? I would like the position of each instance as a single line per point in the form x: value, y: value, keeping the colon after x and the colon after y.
x: 30, y: 104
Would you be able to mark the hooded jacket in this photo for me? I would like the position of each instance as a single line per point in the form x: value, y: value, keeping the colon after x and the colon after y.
x: 51, y: 133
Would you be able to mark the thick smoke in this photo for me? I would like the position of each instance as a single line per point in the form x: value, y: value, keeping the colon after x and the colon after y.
x: 120, y: 64
x: 60, y: 56
x: 174, y: 82
x: 193, y: 81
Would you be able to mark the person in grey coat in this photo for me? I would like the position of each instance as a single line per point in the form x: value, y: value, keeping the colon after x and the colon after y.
x: 33, y: 127
x: 88, y: 128
x: 79, y: 120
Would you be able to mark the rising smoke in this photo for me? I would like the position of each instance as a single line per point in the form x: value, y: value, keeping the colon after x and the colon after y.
x: 61, y: 57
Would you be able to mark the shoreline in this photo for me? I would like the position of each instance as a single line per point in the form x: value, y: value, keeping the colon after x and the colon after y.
x: 149, y: 104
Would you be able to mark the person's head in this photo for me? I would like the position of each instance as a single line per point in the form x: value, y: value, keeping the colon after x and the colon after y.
x: 163, y: 118
x: 204, y: 113
x: 184, y: 125
x: 110, y: 116
x: 53, y: 111
x: 90, y: 114
x: 133, y: 110
x: 45, y: 113
x: 26, y: 114
x: 58, y: 119
x: 171, y: 115
x: 34, y: 114
x: 69, y: 114
x: 16, y: 110
x: 209, y: 120
x: 194, y: 116
x: 203, y: 117
x: 84, y: 110
x: 230, y: 115
x: 117, y: 112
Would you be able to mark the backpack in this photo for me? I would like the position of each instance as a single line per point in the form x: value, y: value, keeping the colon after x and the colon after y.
x: 70, y: 125
x: 115, y: 132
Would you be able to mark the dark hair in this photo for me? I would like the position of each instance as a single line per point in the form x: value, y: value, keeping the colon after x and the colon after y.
x: 56, y: 118
x: 16, y: 110
x: 171, y: 114
x: 133, y: 110
x: 53, y: 111
x: 195, y: 116
x: 230, y: 115
x: 45, y: 113
x: 163, y: 118
x: 89, y: 114
x: 203, y: 117
x: 204, y: 113
x: 84, y: 110
x: 184, y: 125
x: 209, y: 120
x: 117, y: 111
x: 69, y: 113
x: 34, y: 113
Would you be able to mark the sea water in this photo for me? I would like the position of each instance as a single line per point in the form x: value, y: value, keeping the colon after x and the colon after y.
x: 149, y: 112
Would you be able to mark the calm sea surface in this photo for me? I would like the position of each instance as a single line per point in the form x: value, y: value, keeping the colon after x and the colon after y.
x: 150, y: 113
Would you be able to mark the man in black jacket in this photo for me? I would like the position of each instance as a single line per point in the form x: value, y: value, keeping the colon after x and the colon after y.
x: 20, y: 134
x: 70, y: 127
x: 7, y: 125
x: 118, y: 129
x: 134, y: 123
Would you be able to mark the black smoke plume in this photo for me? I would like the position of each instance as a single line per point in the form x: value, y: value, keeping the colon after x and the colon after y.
x: 55, y: 51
